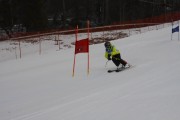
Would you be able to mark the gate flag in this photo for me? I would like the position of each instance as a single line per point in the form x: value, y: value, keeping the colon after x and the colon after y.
x: 176, y: 29
x: 82, y: 46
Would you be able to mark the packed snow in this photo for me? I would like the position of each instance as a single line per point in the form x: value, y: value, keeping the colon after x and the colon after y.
x: 41, y: 87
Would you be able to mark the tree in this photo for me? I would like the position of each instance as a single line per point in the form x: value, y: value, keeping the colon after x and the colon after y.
x: 32, y: 15
x: 6, y: 18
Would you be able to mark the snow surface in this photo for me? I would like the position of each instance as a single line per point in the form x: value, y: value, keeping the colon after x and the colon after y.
x: 41, y: 87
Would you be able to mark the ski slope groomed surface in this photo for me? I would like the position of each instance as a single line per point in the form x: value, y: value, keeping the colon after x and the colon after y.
x: 41, y: 87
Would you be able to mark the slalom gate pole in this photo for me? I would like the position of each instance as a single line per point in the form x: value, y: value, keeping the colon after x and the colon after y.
x: 88, y: 45
x: 75, y: 53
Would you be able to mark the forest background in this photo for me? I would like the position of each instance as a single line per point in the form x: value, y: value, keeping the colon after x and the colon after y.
x: 37, y: 15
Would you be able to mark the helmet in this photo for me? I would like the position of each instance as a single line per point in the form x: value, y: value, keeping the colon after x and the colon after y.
x: 107, y: 44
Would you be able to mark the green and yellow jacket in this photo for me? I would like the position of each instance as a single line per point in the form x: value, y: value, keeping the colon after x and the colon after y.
x: 111, y: 51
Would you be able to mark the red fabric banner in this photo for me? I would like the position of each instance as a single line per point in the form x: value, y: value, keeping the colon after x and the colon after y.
x: 82, y: 46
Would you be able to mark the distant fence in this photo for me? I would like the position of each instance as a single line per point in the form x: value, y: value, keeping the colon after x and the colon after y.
x: 170, y: 17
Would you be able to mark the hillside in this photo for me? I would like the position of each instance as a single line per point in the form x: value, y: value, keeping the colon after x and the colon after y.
x: 42, y: 87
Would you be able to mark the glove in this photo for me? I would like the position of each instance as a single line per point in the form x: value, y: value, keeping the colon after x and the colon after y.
x: 109, y: 57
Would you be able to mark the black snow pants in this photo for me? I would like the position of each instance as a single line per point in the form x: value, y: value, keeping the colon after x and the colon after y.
x: 117, y: 60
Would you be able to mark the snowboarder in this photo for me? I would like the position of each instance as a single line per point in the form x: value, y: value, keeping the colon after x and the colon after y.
x: 113, y: 54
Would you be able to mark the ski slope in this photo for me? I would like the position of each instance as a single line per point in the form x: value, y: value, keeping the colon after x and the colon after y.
x: 42, y: 87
